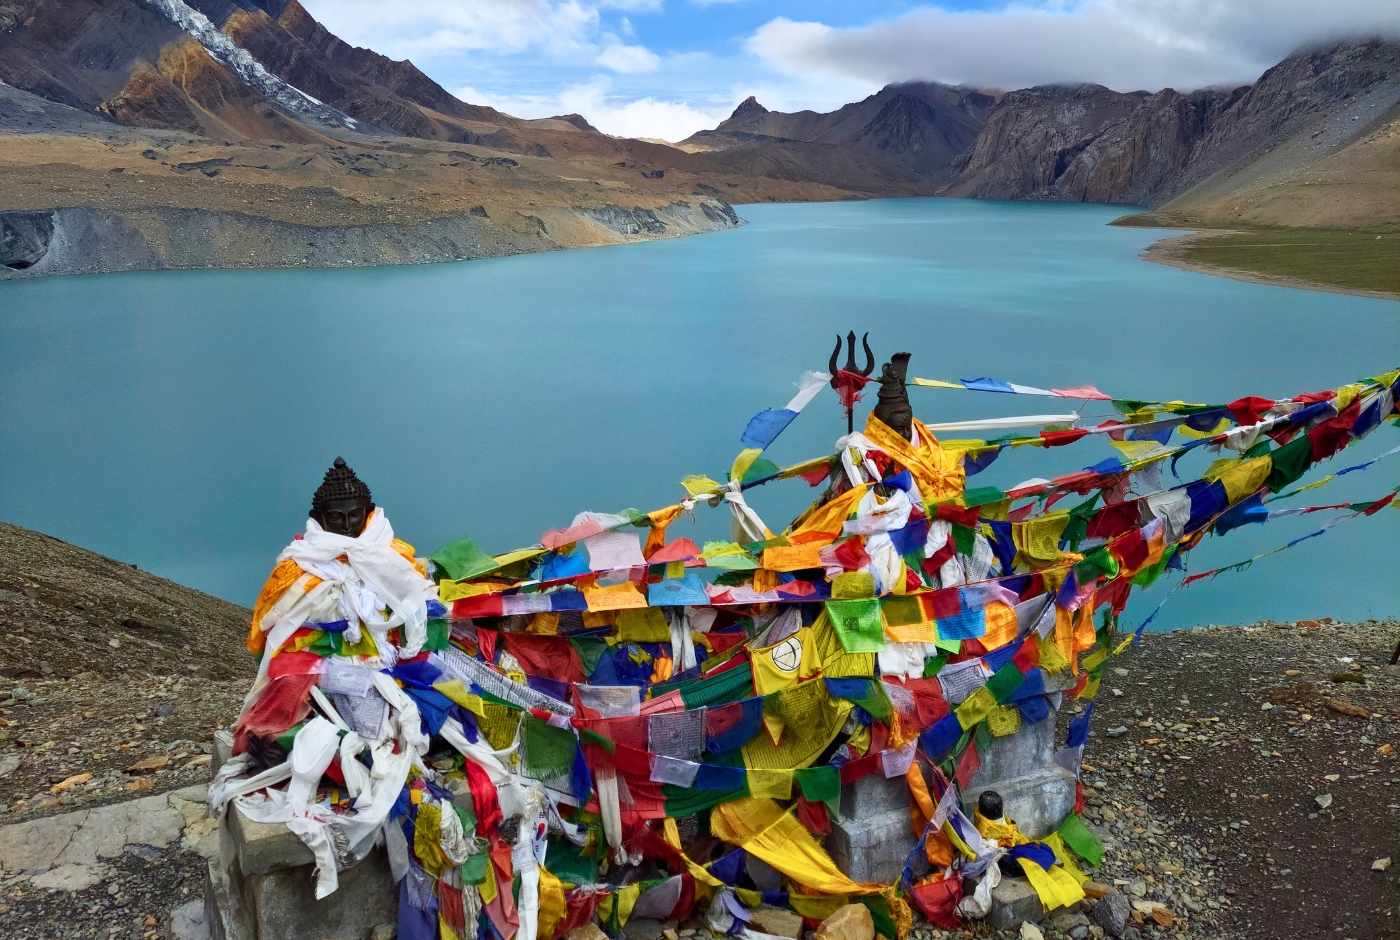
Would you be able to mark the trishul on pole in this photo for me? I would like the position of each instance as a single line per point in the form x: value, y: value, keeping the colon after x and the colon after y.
x: 848, y: 381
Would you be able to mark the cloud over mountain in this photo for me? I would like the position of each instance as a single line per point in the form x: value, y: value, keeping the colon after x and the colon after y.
x: 1124, y: 44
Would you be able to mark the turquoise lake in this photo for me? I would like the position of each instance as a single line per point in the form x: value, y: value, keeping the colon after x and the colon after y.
x: 181, y: 421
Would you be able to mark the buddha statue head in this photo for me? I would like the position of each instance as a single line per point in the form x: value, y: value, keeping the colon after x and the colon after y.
x: 893, y: 406
x: 342, y: 503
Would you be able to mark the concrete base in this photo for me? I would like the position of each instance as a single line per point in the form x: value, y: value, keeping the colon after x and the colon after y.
x: 873, y: 838
x: 1038, y: 795
x: 278, y: 902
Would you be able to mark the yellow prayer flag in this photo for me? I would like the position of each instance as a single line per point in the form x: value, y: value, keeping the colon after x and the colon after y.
x: 449, y: 591
x: 1038, y: 540
x: 975, y: 707
x: 1246, y: 477
x: 770, y: 784
x: 792, y: 557
x: 624, y: 596
x: 457, y: 692
x: 697, y: 485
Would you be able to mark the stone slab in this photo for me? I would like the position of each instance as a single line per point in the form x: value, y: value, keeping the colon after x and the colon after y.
x: 223, y: 750
x: 35, y: 846
x: 1014, y: 902
x: 873, y: 848
x: 873, y: 795
x: 265, y: 847
x: 68, y: 852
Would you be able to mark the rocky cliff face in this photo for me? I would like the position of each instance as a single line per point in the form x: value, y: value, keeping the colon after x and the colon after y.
x: 1087, y: 143
x: 1320, y: 99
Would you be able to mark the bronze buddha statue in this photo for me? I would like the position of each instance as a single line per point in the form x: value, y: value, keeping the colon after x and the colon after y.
x: 342, y: 504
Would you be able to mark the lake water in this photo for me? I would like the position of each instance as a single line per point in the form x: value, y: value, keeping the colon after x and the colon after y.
x: 181, y: 421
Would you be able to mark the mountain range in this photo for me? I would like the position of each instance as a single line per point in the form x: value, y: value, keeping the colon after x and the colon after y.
x: 270, y: 141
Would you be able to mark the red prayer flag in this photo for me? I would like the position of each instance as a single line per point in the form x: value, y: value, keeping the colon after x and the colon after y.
x: 968, y: 766
x: 1061, y: 438
x: 1250, y: 409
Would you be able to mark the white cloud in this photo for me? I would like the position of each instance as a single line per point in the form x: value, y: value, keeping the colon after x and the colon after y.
x: 563, y: 29
x: 629, y: 59
x: 1124, y: 44
x: 611, y: 113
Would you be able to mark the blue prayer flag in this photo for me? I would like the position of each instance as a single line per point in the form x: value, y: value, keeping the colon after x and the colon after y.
x: 765, y: 426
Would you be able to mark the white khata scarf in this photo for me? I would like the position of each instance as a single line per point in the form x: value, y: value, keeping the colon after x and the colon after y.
x: 372, y: 577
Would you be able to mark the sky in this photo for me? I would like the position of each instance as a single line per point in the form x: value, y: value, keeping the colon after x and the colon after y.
x: 667, y: 68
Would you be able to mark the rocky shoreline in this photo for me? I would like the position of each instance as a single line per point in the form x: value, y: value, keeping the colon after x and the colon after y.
x: 85, y: 240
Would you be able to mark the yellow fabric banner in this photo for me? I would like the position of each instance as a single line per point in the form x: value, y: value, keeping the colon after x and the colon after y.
x: 939, y: 474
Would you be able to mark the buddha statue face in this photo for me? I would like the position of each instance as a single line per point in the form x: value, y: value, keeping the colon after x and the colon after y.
x: 342, y: 505
x: 345, y: 516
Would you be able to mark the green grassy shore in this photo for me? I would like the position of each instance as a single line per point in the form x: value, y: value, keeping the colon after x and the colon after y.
x: 1350, y: 259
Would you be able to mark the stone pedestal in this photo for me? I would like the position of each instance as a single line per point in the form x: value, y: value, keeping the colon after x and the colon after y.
x: 873, y: 837
x: 1038, y: 795
x: 262, y: 886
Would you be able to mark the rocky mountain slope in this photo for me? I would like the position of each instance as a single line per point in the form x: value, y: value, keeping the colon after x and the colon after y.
x: 150, y: 134
x: 1086, y: 143
x: 903, y: 136
x: 65, y: 610
x: 1204, y: 149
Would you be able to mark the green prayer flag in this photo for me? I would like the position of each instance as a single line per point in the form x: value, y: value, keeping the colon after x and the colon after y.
x: 1078, y: 524
x: 1146, y: 576
x: 546, y: 752
x: 760, y: 469
x: 636, y: 517
x: 931, y: 666
x: 474, y: 868
x: 722, y: 689
x: 819, y: 783
x: 462, y: 559
x: 858, y: 624
x: 590, y: 650
x: 1005, y: 682
x: 564, y: 861
x: 1100, y: 563
x: 964, y: 539
x: 1291, y: 461
x: 879, y: 913
x: 980, y: 496
x: 1081, y: 841
x: 439, y: 633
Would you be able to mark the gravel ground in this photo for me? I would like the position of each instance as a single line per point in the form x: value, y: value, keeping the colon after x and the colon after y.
x: 135, y: 737
x: 136, y: 902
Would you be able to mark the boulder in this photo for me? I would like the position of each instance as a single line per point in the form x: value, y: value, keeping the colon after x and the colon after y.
x: 1112, y: 913
x: 589, y: 931
x: 777, y: 922
x: 852, y: 922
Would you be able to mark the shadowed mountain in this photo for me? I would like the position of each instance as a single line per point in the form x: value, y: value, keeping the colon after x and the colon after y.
x: 904, y: 136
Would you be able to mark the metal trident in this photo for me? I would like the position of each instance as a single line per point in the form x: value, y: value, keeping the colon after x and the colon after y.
x: 850, y: 367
